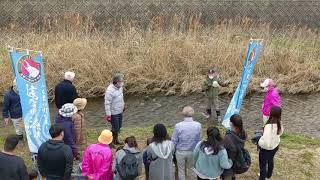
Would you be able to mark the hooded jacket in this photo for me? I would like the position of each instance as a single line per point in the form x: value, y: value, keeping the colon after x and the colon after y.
x: 55, y: 160
x: 64, y: 92
x: 161, y: 156
x: 208, y: 87
x: 113, y: 100
x: 11, y: 105
x: 272, y: 98
x: 97, y: 162
x: 120, y: 155
x: 69, y: 132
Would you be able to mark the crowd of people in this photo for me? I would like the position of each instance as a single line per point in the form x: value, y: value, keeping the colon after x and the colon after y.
x: 184, y: 155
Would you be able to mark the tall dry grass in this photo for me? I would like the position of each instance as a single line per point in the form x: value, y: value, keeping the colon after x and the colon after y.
x: 161, y: 61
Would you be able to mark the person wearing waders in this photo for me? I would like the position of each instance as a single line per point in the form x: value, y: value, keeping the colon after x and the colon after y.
x: 211, y: 88
x: 114, y: 105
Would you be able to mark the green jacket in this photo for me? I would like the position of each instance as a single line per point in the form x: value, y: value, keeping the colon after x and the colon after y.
x: 209, y: 89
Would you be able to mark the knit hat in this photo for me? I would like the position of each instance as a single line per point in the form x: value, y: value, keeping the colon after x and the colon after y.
x: 68, y: 110
x: 69, y: 75
x: 117, y: 77
x: 188, y: 111
x: 268, y: 83
x: 105, y: 137
x: 80, y: 103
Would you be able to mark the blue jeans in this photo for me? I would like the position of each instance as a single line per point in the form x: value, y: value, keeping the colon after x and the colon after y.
x: 266, y: 162
x: 116, y: 122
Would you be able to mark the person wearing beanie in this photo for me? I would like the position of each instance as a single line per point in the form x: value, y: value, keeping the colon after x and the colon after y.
x: 64, y: 118
x: 211, y: 88
x: 97, y: 158
x: 12, y: 110
x: 79, y: 123
x: 186, y: 135
x: 271, y: 98
x: 114, y: 105
x: 65, y: 91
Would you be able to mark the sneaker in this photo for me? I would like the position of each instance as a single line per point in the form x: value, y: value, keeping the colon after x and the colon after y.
x: 206, y: 115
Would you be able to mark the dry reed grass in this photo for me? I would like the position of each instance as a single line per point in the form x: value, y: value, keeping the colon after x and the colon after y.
x: 161, y: 61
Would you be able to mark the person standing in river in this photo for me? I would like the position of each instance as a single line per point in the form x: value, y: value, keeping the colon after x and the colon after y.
x: 12, y: 110
x: 211, y: 88
x: 271, y: 98
x: 114, y: 105
x: 65, y: 92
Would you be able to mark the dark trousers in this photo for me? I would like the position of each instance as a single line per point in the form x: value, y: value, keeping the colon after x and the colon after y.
x: 266, y: 162
x: 116, y: 122
x: 201, y: 179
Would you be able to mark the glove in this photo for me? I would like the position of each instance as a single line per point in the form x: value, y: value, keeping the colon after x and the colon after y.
x: 108, y: 118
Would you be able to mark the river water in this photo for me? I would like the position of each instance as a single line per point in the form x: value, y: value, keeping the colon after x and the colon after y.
x: 301, y: 113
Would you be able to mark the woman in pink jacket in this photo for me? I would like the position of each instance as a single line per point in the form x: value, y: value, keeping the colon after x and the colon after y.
x: 272, y: 98
x: 97, y: 159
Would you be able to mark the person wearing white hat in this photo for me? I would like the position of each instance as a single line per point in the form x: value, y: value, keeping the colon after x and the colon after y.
x: 65, y: 91
x: 271, y: 98
x: 64, y: 118
x: 12, y: 110
x: 114, y: 105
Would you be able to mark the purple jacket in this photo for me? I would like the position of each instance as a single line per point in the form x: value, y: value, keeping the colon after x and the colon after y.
x: 272, y: 98
x: 69, y: 132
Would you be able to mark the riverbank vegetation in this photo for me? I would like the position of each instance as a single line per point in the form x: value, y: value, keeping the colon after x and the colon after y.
x: 168, y: 61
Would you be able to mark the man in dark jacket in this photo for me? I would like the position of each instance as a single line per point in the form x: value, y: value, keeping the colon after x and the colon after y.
x: 54, y: 157
x: 65, y: 91
x: 12, y: 166
x: 12, y: 110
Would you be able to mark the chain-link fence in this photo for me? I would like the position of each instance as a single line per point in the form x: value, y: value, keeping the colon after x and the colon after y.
x: 111, y: 14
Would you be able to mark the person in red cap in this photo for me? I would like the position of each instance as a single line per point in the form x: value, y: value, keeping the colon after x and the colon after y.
x: 211, y: 88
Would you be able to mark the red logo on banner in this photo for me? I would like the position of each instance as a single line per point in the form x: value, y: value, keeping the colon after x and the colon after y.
x: 252, y: 55
x: 29, y: 69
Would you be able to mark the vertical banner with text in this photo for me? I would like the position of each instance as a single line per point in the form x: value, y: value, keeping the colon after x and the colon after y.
x: 30, y: 77
x: 254, y: 48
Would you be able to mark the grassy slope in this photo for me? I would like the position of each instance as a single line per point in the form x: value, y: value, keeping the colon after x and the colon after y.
x: 298, y: 157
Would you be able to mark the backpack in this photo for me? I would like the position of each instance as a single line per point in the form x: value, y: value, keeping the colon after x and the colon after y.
x: 128, y: 166
x: 242, y: 162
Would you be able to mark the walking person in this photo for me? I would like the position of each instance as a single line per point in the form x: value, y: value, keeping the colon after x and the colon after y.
x: 64, y: 118
x: 128, y: 163
x: 211, y: 88
x: 186, y: 135
x: 65, y: 92
x: 271, y: 98
x: 269, y: 143
x: 79, y: 123
x: 12, y: 110
x: 160, y: 153
x: 234, y: 141
x: 12, y: 166
x: 114, y: 105
x: 55, y: 159
x: 97, y: 158
x: 210, y: 158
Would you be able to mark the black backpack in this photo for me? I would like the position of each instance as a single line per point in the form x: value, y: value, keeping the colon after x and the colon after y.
x: 242, y: 162
x: 128, y: 166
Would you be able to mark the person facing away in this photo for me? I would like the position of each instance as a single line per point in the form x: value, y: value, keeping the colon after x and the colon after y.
x: 146, y: 161
x: 210, y: 158
x: 55, y: 159
x: 186, y: 135
x: 130, y: 148
x: 160, y: 154
x: 65, y: 92
x: 269, y: 143
x: 271, y: 98
x: 12, y: 166
x: 211, y: 88
x: 114, y: 105
x: 97, y: 158
x: 64, y: 118
x: 79, y: 123
x: 12, y: 110
x: 234, y: 138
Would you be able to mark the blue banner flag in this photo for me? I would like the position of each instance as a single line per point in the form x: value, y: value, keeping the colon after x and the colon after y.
x: 254, y: 48
x: 30, y: 79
